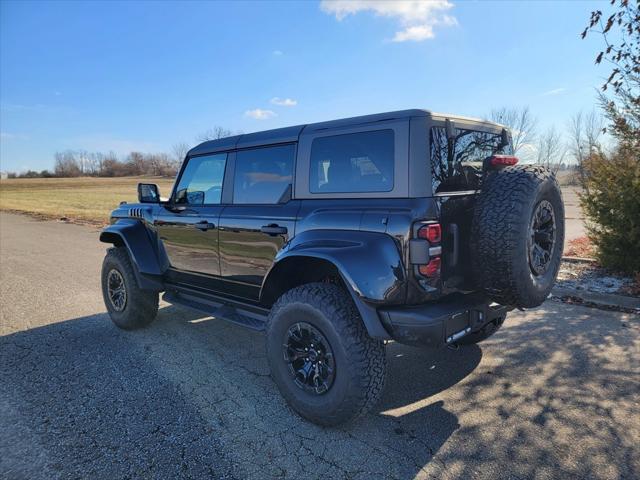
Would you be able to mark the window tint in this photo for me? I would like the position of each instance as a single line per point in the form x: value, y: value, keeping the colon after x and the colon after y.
x: 201, y: 180
x: 263, y: 174
x: 355, y: 162
x: 457, y: 164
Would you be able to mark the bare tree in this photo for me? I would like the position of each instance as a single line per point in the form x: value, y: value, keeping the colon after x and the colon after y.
x: 214, y: 134
x: 66, y: 164
x: 521, y: 123
x: 584, y: 134
x: 179, y: 151
x: 620, y: 32
x: 551, y: 150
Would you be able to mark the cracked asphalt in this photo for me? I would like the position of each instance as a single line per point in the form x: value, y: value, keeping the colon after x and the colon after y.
x: 555, y: 394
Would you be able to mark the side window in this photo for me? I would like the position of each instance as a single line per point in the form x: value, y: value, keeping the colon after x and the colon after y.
x: 263, y: 174
x: 354, y: 162
x: 201, y: 180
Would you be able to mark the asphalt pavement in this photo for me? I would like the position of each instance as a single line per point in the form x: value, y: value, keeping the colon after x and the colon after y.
x: 554, y: 394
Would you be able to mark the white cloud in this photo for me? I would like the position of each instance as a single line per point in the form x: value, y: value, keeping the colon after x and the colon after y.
x: 284, y: 102
x: 555, y: 91
x: 16, y: 107
x: 260, y: 114
x: 277, y: 53
x: 416, y: 17
x: 12, y: 136
x: 417, y: 33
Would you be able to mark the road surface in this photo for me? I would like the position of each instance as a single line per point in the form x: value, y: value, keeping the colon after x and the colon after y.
x: 574, y: 218
x: 555, y: 394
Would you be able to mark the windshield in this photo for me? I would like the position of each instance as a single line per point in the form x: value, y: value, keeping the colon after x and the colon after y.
x: 456, y: 163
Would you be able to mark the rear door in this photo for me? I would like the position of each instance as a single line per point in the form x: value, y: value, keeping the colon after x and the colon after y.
x: 260, y: 219
x: 188, y: 224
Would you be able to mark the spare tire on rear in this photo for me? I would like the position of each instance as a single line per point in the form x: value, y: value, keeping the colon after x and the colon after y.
x: 517, y: 235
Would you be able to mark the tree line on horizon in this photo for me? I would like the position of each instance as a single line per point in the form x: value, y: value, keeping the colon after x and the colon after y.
x: 81, y: 163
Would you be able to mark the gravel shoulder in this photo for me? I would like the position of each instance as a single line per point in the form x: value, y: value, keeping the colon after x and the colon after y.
x: 553, y: 394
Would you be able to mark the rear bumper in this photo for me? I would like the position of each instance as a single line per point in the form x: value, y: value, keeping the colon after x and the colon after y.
x: 440, y: 323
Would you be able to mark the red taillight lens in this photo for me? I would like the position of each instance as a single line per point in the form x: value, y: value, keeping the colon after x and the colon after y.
x: 431, y: 232
x: 431, y: 269
x: 503, y: 160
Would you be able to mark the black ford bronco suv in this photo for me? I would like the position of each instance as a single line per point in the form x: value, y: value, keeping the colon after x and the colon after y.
x: 336, y: 237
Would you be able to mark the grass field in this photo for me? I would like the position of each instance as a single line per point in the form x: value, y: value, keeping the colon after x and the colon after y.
x: 83, y: 199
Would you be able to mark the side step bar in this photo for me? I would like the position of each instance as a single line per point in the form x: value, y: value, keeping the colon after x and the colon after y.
x: 255, y: 319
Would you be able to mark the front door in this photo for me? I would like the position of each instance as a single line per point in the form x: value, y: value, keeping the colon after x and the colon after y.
x: 261, y: 218
x: 188, y: 225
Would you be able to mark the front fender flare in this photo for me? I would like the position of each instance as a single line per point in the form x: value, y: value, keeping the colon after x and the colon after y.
x: 149, y: 259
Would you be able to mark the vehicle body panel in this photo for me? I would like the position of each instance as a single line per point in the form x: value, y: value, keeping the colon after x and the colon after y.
x: 365, y: 236
x: 246, y: 253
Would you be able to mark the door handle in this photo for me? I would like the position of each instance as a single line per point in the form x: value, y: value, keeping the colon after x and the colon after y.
x: 204, y: 225
x: 273, y: 229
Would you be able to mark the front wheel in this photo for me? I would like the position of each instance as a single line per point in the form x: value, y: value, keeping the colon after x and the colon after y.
x: 325, y: 364
x: 129, y: 307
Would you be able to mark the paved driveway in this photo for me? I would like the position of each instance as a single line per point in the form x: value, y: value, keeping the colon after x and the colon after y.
x: 574, y: 218
x: 555, y: 394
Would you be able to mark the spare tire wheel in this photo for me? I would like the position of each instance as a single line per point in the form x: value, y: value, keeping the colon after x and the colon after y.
x: 518, y: 235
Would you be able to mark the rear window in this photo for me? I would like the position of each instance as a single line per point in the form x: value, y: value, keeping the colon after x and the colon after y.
x: 351, y: 163
x: 456, y: 164
x: 263, y: 175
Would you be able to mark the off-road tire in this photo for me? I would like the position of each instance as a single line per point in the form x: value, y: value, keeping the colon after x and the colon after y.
x: 360, y: 361
x: 141, y: 306
x: 485, y: 332
x: 500, y: 232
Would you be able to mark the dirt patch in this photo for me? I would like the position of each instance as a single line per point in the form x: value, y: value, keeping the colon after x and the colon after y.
x: 48, y: 217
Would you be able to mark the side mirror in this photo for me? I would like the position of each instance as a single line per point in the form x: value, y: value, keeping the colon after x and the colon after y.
x: 148, y: 193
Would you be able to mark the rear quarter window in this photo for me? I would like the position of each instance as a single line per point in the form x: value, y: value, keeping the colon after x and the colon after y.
x: 351, y: 163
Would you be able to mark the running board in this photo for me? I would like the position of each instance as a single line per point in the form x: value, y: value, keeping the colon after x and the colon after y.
x: 251, y: 319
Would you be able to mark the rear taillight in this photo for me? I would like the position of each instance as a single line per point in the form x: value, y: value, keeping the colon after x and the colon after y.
x: 432, y: 233
x: 502, y: 160
x: 431, y: 269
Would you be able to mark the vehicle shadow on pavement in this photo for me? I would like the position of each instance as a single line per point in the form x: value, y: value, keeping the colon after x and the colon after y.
x: 192, y: 396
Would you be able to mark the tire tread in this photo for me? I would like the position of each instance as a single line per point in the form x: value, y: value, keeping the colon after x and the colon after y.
x: 366, y: 354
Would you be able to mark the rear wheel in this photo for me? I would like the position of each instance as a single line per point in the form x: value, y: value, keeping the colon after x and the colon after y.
x: 129, y: 307
x: 325, y: 364
x: 518, y: 235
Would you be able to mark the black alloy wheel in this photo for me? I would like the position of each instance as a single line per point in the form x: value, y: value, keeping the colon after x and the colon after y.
x: 541, y: 238
x: 116, y: 290
x: 309, y: 358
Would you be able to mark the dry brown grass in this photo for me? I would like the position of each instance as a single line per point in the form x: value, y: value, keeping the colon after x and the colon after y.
x: 81, y: 199
x: 580, y: 247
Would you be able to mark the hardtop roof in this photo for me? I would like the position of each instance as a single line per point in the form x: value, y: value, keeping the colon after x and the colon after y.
x: 291, y: 134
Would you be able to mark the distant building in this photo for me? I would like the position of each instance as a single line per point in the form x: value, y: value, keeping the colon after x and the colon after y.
x: 4, y: 175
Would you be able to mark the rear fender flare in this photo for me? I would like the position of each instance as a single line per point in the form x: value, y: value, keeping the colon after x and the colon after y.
x: 369, y: 264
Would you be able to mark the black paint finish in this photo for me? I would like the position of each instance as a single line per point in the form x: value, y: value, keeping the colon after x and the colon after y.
x: 251, y: 253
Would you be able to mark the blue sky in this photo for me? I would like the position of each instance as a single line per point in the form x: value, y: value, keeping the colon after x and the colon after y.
x: 143, y: 76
